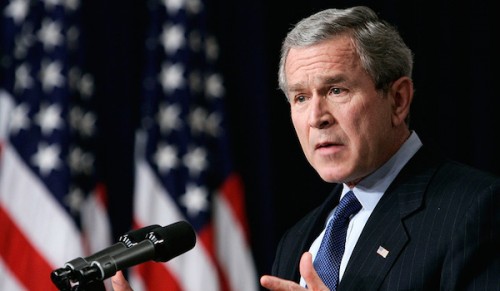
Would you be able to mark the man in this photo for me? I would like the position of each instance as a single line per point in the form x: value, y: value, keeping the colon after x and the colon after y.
x: 424, y: 223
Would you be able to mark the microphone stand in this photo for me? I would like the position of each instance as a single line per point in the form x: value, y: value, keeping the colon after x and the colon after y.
x: 68, y: 281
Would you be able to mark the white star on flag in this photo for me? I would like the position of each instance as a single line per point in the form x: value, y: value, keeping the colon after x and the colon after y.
x: 196, y: 161
x: 19, y: 119
x: 47, y: 158
x: 172, y: 38
x: 49, y: 118
x: 51, y: 76
x: 169, y: 117
x: 50, y: 34
x: 183, y: 166
x: 166, y: 158
x: 195, y: 199
x: 171, y: 77
x: 23, y: 78
x: 52, y: 196
x: 17, y: 10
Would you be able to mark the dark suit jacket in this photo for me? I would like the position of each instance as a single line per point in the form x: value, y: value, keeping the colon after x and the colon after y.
x: 439, y: 220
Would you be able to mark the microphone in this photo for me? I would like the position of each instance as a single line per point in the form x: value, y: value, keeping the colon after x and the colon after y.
x: 61, y: 277
x: 160, y: 245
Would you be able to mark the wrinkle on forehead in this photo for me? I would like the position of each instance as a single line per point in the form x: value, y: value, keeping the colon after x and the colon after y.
x: 323, y: 62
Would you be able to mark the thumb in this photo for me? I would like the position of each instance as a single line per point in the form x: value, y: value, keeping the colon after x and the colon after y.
x: 119, y: 283
x: 309, y: 274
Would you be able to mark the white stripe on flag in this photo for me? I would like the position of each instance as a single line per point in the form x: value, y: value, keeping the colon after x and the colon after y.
x: 232, y: 248
x: 6, y: 106
x: 35, y: 211
x: 96, y: 225
x: 136, y: 282
x: 154, y: 206
x: 7, y: 280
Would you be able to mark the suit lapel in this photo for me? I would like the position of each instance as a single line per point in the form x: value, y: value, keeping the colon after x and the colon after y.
x: 384, y: 237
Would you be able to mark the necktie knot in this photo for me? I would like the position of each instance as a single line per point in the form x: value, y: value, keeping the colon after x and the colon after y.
x: 348, y: 206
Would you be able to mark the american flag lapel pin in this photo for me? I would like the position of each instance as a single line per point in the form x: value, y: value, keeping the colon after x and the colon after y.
x: 382, y: 252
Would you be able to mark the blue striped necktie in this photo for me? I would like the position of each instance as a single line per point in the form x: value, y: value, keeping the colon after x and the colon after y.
x: 331, y: 250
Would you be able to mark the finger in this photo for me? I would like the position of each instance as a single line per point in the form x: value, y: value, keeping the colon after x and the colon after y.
x: 309, y: 274
x: 277, y: 284
x: 119, y: 283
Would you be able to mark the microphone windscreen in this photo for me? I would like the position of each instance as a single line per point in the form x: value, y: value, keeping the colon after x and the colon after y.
x: 178, y: 238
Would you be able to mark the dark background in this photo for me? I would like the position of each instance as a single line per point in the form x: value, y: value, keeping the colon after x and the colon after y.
x: 455, y: 107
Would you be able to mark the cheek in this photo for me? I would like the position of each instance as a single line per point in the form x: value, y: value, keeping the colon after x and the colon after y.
x: 360, y: 125
x: 369, y: 118
x: 372, y: 126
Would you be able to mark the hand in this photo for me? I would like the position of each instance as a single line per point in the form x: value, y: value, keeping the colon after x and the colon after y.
x: 119, y: 282
x: 306, y: 271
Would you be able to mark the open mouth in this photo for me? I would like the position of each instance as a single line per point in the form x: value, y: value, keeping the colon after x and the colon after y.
x: 325, y: 145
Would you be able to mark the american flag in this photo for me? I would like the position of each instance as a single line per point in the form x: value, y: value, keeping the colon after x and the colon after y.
x: 183, y: 157
x: 52, y: 204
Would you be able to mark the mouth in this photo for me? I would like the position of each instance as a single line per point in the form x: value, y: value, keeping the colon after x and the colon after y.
x: 325, y: 145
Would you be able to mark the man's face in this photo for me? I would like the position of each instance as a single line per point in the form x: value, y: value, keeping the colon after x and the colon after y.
x: 343, y: 123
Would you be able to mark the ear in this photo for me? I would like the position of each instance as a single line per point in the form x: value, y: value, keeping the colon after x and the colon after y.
x: 401, y: 92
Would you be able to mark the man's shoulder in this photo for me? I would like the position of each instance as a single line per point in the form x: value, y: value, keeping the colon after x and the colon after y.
x: 450, y: 170
x: 463, y: 176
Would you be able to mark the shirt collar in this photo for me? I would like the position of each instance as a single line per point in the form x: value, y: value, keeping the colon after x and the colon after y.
x: 371, y: 188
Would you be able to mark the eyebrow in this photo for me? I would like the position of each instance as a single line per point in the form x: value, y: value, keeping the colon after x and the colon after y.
x: 328, y: 80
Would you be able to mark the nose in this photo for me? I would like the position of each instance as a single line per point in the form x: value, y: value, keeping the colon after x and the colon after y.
x: 320, y: 115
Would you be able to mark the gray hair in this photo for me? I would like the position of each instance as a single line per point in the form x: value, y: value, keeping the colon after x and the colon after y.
x: 381, y: 49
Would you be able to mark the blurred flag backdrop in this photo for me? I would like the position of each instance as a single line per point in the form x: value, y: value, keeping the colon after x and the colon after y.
x: 52, y: 197
x: 183, y: 165
x: 52, y: 202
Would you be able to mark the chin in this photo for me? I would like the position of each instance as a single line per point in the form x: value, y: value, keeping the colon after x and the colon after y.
x: 328, y: 177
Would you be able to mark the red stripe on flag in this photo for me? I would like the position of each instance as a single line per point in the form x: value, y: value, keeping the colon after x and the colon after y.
x: 232, y: 190
x: 102, y: 195
x: 155, y: 274
x: 206, y: 236
x: 31, y: 269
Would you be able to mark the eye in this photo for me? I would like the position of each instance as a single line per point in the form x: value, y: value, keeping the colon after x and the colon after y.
x: 335, y: 91
x: 338, y: 95
x: 300, y: 99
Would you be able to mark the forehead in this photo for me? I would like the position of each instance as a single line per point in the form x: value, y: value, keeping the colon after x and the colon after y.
x: 336, y: 55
